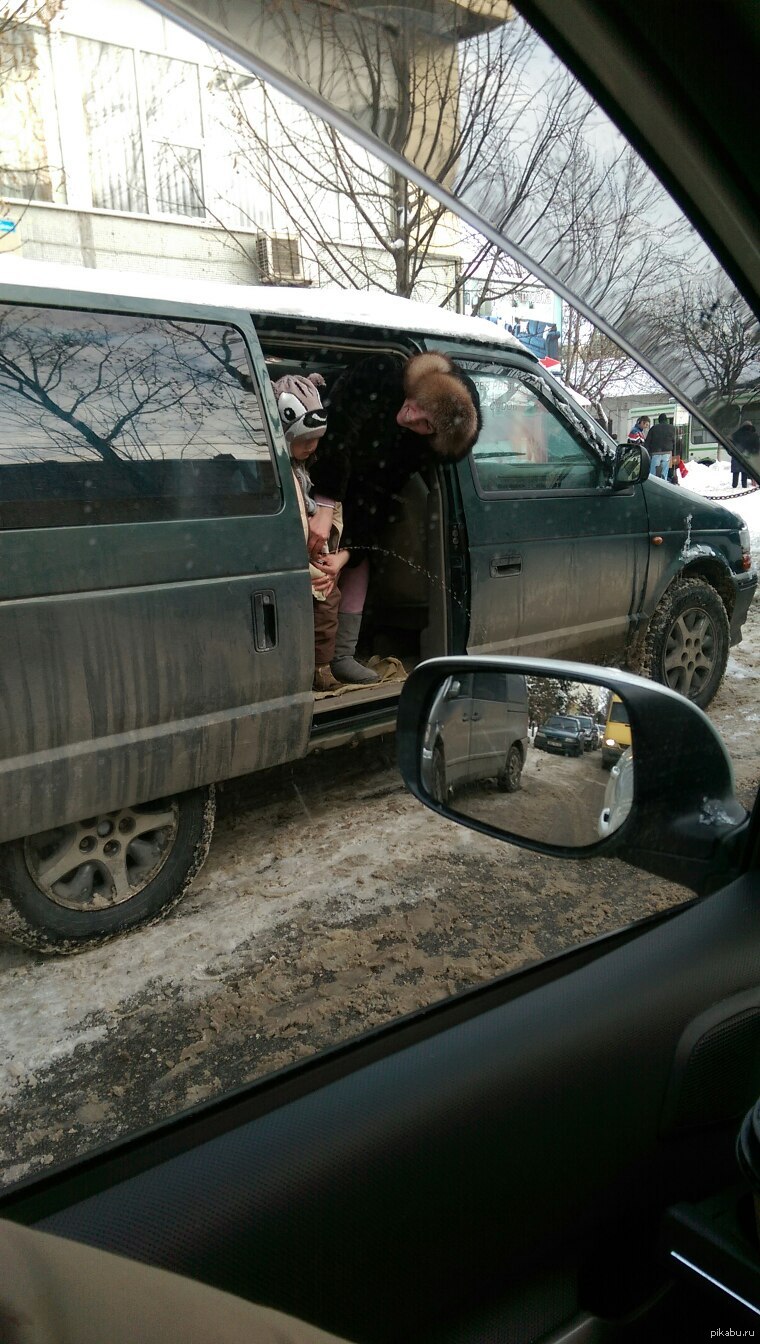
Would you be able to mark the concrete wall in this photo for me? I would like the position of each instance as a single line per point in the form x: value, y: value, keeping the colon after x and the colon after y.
x: 96, y: 238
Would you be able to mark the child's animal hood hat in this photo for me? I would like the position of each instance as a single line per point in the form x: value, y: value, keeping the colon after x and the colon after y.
x: 449, y: 399
x: 301, y: 411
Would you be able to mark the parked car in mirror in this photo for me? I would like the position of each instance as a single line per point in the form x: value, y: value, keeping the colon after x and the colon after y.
x: 563, y: 733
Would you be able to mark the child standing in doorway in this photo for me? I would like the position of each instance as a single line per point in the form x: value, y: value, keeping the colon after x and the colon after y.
x: 304, y: 420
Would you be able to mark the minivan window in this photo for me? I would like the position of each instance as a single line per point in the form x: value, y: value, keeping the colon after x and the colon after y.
x: 107, y: 418
x: 524, y: 445
x: 488, y: 687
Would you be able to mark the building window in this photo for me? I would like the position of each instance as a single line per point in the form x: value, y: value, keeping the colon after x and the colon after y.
x: 142, y: 118
x: 30, y: 152
x: 171, y: 99
x: 112, y: 124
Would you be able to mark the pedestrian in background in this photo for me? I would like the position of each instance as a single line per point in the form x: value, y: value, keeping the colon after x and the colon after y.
x: 747, y: 440
x: 660, y: 443
x: 638, y: 431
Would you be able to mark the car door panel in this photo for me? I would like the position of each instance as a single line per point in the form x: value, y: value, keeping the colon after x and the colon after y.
x: 488, y: 735
x: 572, y: 584
x: 154, y: 594
x: 558, y: 559
x: 199, y: 701
x: 479, y: 1147
x: 456, y: 721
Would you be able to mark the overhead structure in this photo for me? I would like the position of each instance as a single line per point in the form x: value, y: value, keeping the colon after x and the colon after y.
x: 448, y: 92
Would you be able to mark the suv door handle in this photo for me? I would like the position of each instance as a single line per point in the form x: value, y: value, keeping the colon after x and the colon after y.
x: 264, y: 607
x: 503, y: 566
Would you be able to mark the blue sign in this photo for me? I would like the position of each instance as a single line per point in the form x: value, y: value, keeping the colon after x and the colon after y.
x: 7, y: 225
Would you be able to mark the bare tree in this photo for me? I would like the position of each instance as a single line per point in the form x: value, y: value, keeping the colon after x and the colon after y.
x: 717, y: 329
x: 593, y: 365
x: 361, y: 223
x: 599, y: 216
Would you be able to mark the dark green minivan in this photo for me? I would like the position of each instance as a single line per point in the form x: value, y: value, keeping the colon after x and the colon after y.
x: 155, y: 614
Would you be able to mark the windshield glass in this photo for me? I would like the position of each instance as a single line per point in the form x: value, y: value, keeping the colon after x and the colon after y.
x: 618, y: 712
x: 474, y: 105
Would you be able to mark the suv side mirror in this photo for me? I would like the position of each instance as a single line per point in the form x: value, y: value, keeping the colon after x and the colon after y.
x: 631, y: 465
x: 659, y: 793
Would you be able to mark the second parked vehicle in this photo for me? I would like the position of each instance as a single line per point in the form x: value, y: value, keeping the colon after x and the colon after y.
x: 563, y: 734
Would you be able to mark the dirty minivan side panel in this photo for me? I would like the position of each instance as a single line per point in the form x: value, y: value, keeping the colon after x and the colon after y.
x: 153, y: 590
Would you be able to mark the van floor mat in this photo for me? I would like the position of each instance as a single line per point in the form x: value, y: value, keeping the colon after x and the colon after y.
x: 388, y: 669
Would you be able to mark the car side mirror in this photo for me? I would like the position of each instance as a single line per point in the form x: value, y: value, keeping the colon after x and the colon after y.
x: 632, y: 464
x: 454, y: 690
x: 657, y: 790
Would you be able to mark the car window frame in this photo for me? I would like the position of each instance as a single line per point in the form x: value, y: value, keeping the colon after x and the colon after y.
x: 552, y: 403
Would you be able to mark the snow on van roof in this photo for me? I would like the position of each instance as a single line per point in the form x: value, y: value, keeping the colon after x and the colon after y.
x: 362, y: 307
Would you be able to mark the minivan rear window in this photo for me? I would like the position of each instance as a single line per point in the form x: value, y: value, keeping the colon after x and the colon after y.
x: 109, y: 418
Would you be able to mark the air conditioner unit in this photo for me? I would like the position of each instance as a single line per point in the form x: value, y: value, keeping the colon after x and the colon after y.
x: 278, y: 257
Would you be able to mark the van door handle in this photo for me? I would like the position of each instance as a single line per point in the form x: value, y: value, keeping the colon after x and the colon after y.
x: 502, y: 566
x: 264, y: 606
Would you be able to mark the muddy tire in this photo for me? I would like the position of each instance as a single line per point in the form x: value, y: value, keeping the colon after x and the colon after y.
x: 79, y: 885
x: 440, y: 786
x: 508, y: 779
x: 687, y: 641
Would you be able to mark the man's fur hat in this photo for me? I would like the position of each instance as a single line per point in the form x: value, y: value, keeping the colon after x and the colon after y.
x: 301, y: 411
x: 449, y: 399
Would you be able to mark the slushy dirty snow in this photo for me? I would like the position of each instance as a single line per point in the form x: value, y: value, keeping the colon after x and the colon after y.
x: 331, y: 902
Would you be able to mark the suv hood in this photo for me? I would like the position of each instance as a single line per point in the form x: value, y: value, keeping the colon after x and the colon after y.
x: 667, y: 509
x: 386, y: 73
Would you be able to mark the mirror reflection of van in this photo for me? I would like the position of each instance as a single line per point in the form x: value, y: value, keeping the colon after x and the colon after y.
x: 156, y: 615
x: 477, y: 729
x: 617, y: 733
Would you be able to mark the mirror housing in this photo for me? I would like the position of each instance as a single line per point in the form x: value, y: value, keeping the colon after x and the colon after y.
x: 632, y: 463
x: 685, y: 823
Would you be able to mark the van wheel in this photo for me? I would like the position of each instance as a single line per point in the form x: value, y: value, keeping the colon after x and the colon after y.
x: 440, y: 785
x: 687, y: 640
x: 78, y: 885
x: 508, y: 779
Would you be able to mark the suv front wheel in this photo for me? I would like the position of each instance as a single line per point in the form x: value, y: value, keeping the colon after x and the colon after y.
x: 687, y: 641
